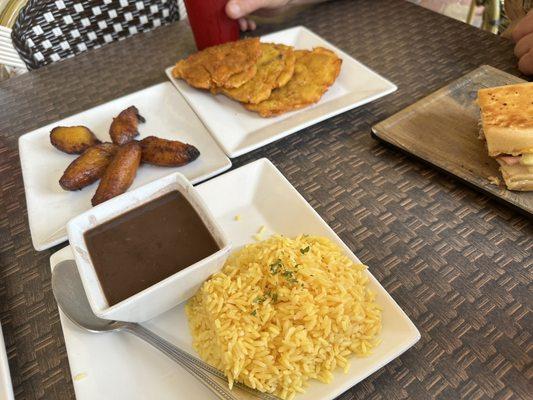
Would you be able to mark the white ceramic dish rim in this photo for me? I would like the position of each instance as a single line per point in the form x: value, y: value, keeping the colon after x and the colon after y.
x: 337, y: 107
x: 120, y: 205
x: 6, y: 389
x: 338, y: 389
x: 43, y: 244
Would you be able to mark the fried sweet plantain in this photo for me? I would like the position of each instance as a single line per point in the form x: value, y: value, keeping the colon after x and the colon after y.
x: 72, y: 139
x: 124, y: 127
x: 88, y: 167
x: 120, y: 173
x: 167, y: 153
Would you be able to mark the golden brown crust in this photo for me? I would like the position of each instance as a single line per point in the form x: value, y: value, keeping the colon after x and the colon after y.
x: 314, y: 72
x: 72, y: 139
x: 167, y: 153
x: 237, y: 80
x: 88, y: 167
x: 274, y: 69
x: 507, y: 118
x: 120, y: 173
x: 288, y: 71
x: 124, y: 126
x: 507, y: 106
x: 227, y: 65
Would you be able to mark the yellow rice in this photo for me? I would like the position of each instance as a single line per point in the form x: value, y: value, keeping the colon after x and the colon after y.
x: 283, y: 311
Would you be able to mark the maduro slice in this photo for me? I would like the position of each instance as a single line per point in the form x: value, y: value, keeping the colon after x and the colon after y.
x: 120, y: 173
x: 124, y: 126
x: 274, y: 69
x: 72, y: 139
x: 167, y: 153
x: 88, y: 167
x: 227, y: 65
x: 314, y: 72
x: 507, y: 126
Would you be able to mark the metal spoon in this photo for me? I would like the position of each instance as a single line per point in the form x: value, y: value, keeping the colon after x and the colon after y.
x: 70, y: 296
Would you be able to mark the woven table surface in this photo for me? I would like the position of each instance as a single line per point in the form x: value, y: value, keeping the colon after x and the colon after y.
x: 458, y: 263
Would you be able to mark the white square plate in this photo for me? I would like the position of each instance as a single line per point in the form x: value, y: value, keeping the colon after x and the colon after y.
x: 6, y: 390
x: 167, y: 116
x: 239, y: 131
x: 120, y: 364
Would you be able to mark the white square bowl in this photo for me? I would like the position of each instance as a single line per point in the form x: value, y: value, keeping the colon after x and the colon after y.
x: 239, y: 131
x: 163, y: 295
x: 123, y: 366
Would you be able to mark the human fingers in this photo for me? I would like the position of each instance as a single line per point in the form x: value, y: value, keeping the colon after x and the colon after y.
x: 524, y: 27
x: 247, y: 24
x: 525, y: 64
x: 243, y: 24
x: 524, y: 45
x: 241, y: 8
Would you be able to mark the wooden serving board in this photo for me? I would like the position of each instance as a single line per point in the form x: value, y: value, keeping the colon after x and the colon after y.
x: 442, y: 129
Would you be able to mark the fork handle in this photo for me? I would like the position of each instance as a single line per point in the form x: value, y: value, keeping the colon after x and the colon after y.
x: 211, y: 377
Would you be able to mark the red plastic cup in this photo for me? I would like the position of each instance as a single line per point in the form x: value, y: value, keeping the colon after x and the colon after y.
x: 210, y: 24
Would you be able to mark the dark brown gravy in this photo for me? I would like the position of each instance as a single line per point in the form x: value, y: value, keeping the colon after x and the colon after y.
x: 147, y: 244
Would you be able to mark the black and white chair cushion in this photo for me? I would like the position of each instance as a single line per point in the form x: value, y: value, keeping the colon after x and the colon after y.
x: 47, y: 31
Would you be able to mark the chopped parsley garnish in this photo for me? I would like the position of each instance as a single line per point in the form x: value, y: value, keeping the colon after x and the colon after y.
x: 278, y: 267
x: 254, y: 313
x: 260, y: 299
x: 304, y: 250
x: 275, y: 266
x: 272, y: 295
x: 269, y: 293
x: 289, y: 276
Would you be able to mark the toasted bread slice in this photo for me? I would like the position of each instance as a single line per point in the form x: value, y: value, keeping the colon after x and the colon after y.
x: 507, y: 118
x: 517, y: 177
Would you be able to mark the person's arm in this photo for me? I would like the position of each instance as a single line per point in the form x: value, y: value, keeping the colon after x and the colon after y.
x: 523, y: 36
x: 239, y: 9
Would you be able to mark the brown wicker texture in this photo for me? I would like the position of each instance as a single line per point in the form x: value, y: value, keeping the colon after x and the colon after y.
x: 457, y: 262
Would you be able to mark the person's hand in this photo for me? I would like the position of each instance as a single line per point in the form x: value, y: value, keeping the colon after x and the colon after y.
x: 523, y: 36
x: 239, y: 9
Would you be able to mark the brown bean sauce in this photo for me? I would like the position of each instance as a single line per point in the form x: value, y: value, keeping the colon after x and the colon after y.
x: 147, y: 244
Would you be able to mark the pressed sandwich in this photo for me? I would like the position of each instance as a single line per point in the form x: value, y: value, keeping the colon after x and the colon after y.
x: 507, y: 126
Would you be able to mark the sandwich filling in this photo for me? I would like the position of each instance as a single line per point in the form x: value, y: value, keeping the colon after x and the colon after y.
x: 507, y: 128
x: 517, y: 176
x: 524, y: 159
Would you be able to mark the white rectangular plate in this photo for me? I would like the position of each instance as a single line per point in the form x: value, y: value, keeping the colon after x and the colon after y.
x: 167, y: 116
x: 120, y: 364
x: 6, y: 390
x: 239, y: 131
